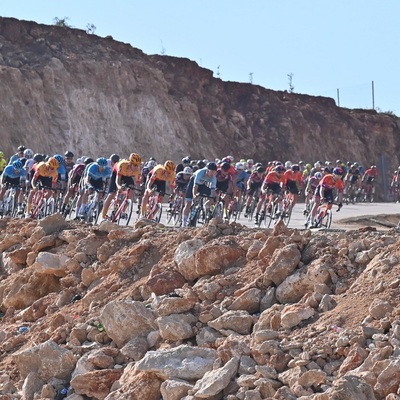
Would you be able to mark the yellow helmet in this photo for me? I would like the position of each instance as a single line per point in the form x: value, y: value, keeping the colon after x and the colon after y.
x: 169, y: 166
x: 135, y: 159
x: 53, y: 163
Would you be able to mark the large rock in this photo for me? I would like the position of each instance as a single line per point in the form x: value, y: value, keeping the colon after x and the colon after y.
x: 184, y: 257
x: 124, y: 320
x: 183, y: 362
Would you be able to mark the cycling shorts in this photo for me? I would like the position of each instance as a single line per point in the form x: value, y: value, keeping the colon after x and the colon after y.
x: 125, y: 180
x: 12, y: 181
x: 223, y: 186
x: 292, y: 187
x: 274, y: 188
x: 254, y: 186
x: 202, y: 189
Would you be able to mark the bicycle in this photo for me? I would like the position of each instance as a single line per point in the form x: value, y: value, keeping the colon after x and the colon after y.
x: 269, y: 211
x: 71, y: 205
x: 10, y: 201
x: 39, y: 203
x: 122, y: 206
x: 324, y: 215
x: 253, y: 205
x: 94, y: 206
x: 198, y: 211
x: 369, y: 191
x: 175, y: 211
x: 154, y: 207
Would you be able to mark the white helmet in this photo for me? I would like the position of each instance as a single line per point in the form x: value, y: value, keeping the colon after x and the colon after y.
x: 28, y: 153
x: 288, y: 164
x: 187, y: 170
x: 239, y: 166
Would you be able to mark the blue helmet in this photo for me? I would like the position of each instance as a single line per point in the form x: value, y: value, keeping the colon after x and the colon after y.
x: 59, y: 158
x: 17, y: 164
x: 102, y: 162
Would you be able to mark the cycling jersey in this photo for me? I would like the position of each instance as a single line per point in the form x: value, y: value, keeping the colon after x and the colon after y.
x: 125, y: 168
x: 371, y: 174
x: 327, y: 182
x: 161, y: 174
x: 200, y: 178
x: 11, y: 172
x: 180, y: 181
x: 3, y: 164
x: 92, y: 171
x: 222, y: 176
x: 241, y: 179
x: 42, y: 170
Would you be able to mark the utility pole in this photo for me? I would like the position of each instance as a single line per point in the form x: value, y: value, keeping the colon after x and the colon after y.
x: 373, y: 96
x: 338, y: 100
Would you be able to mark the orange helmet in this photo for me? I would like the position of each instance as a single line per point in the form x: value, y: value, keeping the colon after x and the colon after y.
x: 53, y: 163
x: 169, y: 166
x: 135, y: 159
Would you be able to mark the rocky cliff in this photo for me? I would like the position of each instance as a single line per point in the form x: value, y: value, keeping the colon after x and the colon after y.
x: 64, y: 89
x: 223, y: 312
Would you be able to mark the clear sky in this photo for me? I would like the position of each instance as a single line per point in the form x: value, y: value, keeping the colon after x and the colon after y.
x: 329, y: 48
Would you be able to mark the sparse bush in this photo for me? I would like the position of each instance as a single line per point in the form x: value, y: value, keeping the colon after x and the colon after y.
x: 61, y: 22
x: 90, y: 29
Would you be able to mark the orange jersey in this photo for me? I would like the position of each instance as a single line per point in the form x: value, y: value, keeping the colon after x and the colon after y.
x: 125, y: 168
x: 295, y: 176
x: 272, y: 177
x: 42, y: 169
x: 328, y: 182
x: 160, y: 173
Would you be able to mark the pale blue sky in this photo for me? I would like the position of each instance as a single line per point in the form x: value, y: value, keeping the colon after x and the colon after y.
x: 326, y: 45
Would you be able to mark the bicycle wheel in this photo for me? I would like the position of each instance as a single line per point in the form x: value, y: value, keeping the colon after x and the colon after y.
x: 178, y: 214
x: 72, y: 206
x: 50, y: 206
x: 327, y: 219
x: 270, y: 215
x: 129, y: 211
x: 287, y: 213
x: 158, y: 214
x: 97, y: 212
x: 194, y: 212
x: 218, y: 210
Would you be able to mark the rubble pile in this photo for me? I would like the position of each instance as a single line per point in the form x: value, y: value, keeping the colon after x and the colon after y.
x: 218, y: 312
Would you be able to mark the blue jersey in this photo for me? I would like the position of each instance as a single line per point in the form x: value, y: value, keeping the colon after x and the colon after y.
x: 200, y: 178
x: 13, y: 173
x: 13, y: 158
x: 241, y: 178
x: 92, y: 170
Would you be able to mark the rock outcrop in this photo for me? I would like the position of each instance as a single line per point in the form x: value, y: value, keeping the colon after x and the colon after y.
x: 65, y: 89
x: 273, y: 314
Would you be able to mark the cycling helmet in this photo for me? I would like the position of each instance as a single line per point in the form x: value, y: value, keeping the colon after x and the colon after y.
x: 250, y: 161
x: 288, y: 164
x: 169, y: 166
x: 225, y: 166
x: 308, y: 166
x: 260, y: 170
x: 80, y: 160
x: 317, y: 165
x: 230, y: 158
x: 88, y: 160
x: 1, y: 154
x: 201, y: 164
x: 53, y: 163
x: 338, y: 161
x: 279, y: 168
x: 212, y: 166
x: 38, y: 157
x: 187, y: 170
x: 356, y: 164
x: 318, y: 175
x: 243, y: 160
x: 301, y: 162
x: 114, y: 158
x: 239, y: 166
x: 17, y: 164
x: 28, y: 153
x: 102, y: 162
x: 135, y: 159
x: 21, y: 149
x: 186, y: 160
x: 69, y: 154
x: 295, y: 167
x: 337, y: 171
x: 373, y: 166
x: 59, y: 158
x: 151, y: 164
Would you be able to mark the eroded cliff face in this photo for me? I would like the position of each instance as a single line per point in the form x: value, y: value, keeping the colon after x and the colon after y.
x: 64, y: 89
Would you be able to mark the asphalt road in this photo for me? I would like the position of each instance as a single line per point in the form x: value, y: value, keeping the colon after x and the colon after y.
x: 338, y: 221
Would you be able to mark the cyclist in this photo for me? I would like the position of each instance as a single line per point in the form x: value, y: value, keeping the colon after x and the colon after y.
x: 312, y: 185
x: 181, y: 183
x: 69, y: 161
x: 95, y: 177
x: 28, y: 155
x: 253, y: 186
x: 3, y: 162
x: 368, y: 180
x: 294, y: 182
x: 158, y: 176
x: 353, y: 178
x: 124, y: 172
x: 325, y: 190
x: 18, y: 155
x: 203, y: 181
x: 74, y: 178
x: 45, y: 172
x: 185, y: 163
x: 13, y: 175
x: 273, y: 182
x: 225, y: 184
